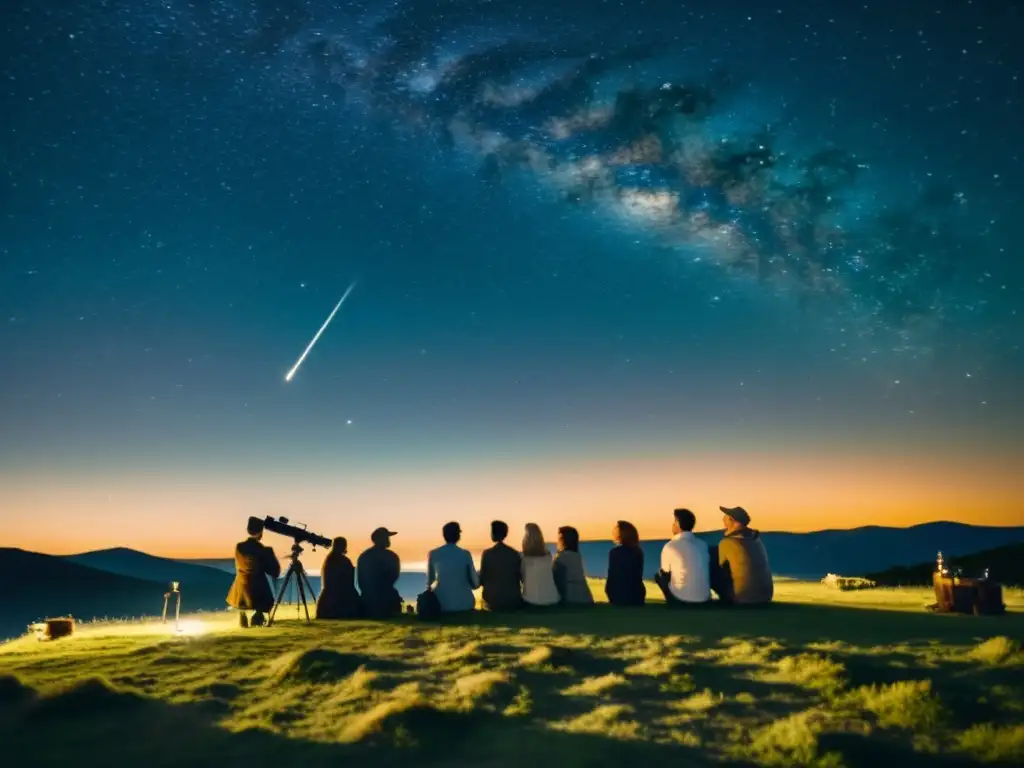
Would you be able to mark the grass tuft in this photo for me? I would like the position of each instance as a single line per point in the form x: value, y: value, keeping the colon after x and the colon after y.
x: 998, y: 651
x: 991, y: 743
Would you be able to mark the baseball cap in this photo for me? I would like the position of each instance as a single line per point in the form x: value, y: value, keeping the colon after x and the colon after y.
x: 739, y: 514
x: 382, y: 533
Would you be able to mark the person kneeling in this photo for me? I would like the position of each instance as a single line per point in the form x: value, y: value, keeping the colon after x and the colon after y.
x: 254, y: 562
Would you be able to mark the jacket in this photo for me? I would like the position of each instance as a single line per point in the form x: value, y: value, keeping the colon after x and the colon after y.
x: 377, y: 571
x: 452, y: 577
x: 501, y: 577
x: 338, y: 597
x: 571, y: 579
x: 250, y: 590
x: 743, y: 557
x: 539, y: 581
x: 625, y: 584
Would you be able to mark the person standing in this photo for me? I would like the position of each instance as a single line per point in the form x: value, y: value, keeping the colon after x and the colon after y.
x: 451, y: 574
x: 685, y: 577
x: 254, y: 562
x: 501, y: 572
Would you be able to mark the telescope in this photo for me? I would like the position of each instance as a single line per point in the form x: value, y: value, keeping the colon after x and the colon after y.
x: 299, y: 536
x: 282, y: 527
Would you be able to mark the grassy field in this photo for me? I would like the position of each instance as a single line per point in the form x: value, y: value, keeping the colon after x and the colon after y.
x: 822, y: 678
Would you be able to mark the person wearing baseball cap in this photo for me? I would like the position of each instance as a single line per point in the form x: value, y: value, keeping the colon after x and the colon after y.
x: 377, y: 571
x: 740, y: 573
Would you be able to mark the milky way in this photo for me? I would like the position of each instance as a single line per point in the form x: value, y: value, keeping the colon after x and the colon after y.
x: 594, y: 103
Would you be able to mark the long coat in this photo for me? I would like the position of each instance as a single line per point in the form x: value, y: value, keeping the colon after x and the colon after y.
x: 253, y: 563
x: 338, y: 597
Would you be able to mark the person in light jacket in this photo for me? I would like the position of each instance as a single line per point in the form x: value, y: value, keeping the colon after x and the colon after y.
x: 538, y: 574
x: 451, y: 573
x: 570, y: 577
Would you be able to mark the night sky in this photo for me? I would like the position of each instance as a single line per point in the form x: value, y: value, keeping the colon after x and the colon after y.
x: 612, y: 258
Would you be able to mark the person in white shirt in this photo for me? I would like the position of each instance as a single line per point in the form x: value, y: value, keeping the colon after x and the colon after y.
x: 685, y: 575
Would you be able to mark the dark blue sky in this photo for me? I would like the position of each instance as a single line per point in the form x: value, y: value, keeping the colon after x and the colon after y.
x: 189, y: 189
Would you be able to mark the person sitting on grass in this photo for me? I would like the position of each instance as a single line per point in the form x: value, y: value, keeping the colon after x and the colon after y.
x: 570, y: 578
x: 740, y: 573
x: 538, y: 576
x: 377, y: 571
x: 684, y: 577
x: 254, y: 562
x: 338, y: 597
x: 451, y: 574
x: 625, y: 582
x: 501, y: 572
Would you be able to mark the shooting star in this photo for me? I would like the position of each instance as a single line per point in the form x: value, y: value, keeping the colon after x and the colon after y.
x: 291, y: 373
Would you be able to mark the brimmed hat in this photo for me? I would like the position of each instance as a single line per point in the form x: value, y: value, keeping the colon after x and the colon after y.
x: 739, y: 514
x: 382, y: 534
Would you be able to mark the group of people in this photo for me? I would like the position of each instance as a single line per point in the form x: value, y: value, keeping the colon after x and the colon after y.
x: 736, y: 570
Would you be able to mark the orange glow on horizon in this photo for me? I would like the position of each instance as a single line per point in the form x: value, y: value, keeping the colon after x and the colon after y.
x: 189, y: 516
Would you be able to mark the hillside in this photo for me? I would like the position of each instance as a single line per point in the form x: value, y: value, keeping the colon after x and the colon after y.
x: 139, y: 565
x: 1005, y: 564
x: 822, y: 679
x: 37, y: 586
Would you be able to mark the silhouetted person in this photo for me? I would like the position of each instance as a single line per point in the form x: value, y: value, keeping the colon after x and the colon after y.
x: 685, y: 576
x: 338, y: 597
x: 625, y: 582
x: 451, y: 573
x: 501, y: 572
x: 538, y: 574
x: 570, y: 576
x: 254, y: 562
x: 377, y: 570
x: 740, y: 573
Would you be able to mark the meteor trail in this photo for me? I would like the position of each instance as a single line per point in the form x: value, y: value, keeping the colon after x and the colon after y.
x: 288, y: 376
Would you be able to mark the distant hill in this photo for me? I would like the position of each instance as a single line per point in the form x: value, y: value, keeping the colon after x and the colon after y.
x: 139, y: 565
x: 37, y: 586
x: 849, y: 552
x: 226, y: 564
x: 1005, y: 564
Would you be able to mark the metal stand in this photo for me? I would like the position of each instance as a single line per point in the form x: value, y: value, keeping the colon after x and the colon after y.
x: 296, y: 571
x: 177, y: 607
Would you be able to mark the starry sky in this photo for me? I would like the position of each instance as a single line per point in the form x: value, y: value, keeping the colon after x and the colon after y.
x: 612, y: 258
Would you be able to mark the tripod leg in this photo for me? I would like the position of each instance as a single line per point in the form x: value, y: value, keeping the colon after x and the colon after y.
x: 302, y: 594
x: 309, y: 588
x: 280, y: 594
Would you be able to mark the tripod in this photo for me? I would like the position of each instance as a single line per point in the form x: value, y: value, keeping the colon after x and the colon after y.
x: 177, y: 608
x: 301, y: 583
